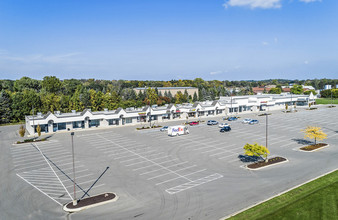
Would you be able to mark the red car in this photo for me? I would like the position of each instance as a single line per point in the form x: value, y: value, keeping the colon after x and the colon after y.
x: 193, y: 123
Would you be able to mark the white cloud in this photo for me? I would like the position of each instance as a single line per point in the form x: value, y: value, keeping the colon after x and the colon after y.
x: 38, y: 58
x: 276, y: 39
x: 216, y: 72
x: 306, y: 62
x: 265, y: 4
x: 307, y: 1
x: 265, y: 43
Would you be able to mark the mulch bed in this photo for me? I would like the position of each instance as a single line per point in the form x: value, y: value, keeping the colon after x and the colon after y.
x: 263, y: 163
x: 92, y: 200
x: 313, y: 147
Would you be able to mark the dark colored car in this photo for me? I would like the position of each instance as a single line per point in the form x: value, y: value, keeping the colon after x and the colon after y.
x: 212, y: 122
x: 194, y: 123
x: 225, y: 129
x: 232, y: 119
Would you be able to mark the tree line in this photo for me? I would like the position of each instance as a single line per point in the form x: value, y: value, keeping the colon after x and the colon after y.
x: 26, y: 96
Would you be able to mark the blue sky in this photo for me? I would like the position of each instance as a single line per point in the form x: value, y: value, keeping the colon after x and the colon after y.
x: 164, y: 40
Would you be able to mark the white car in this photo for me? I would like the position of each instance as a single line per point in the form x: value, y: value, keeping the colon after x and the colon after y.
x: 246, y: 120
x: 221, y: 125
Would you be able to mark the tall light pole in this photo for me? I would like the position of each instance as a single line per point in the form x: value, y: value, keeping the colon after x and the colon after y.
x: 266, y: 130
x: 33, y: 124
x: 74, y: 199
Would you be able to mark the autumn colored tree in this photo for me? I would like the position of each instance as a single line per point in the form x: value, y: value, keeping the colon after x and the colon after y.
x: 316, y: 133
x: 38, y: 130
x: 22, y: 131
x: 256, y: 150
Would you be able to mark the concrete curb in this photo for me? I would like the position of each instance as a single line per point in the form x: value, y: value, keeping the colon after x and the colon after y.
x: 314, y: 149
x: 242, y: 210
x: 89, y: 206
x: 246, y: 166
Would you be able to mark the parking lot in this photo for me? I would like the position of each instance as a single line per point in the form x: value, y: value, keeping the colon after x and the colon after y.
x: 196, y: 176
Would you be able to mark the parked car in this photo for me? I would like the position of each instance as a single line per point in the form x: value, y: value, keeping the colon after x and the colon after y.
x: 246, y: 120
x: 221, y: 125
x: 253, y: 122
x: 164, y: 128
x: 212, y: 122
x: 232, y: 119
x: 225, y: 129
x: 194, y: 123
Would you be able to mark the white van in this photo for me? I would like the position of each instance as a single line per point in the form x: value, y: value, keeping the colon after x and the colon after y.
x: 177, y: 130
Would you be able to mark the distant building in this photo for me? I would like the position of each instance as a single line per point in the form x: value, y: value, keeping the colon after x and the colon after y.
x: 173, y: 90
x: 73, y: 121
x: 326, y: 87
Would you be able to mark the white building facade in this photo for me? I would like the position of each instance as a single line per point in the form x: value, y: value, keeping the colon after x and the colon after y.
x: 57, y: 121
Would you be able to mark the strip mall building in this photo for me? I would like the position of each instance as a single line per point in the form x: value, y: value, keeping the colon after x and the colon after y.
x: 57, y: 121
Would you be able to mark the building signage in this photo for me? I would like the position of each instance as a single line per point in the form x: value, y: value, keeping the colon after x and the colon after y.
x: 142, y: 113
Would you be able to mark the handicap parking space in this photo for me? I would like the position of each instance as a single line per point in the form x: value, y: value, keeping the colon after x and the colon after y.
x: 48, y: 166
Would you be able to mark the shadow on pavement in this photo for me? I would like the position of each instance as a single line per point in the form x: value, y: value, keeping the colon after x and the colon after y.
x: 302, y: 141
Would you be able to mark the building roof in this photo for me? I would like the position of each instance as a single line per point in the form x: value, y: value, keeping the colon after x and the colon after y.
x: 165, y: 88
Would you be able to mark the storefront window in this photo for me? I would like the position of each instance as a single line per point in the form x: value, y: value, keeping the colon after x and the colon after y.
x: 78, y: 124
x: 44, y: 128
x: 61, y: 126
x: 113, y: 121
x: 129, y: 120
x: 94, y: 123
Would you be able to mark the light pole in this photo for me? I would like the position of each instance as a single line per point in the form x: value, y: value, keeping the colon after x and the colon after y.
x: 266, y: 130
x: 33, y: 124
x: 74, y: 199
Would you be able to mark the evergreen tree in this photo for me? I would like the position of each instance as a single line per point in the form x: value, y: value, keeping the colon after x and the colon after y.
x: 5, y: 107
x: 194, y: 99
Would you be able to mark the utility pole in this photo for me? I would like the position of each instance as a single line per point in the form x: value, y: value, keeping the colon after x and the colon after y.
x: 74, y: 199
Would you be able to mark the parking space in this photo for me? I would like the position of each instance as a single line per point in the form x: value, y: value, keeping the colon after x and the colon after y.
x: 48, y: 166
x: 176, y: 177
x: 160, y: 168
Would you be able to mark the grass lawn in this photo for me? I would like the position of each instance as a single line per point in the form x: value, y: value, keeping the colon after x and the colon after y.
x: 326, y: 101
x: 315, y: 200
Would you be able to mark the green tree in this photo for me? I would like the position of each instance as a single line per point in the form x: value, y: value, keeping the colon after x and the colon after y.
x: 179, y: 97
x: 275, y: 91
x: 151, y: 95
x: 23, y: 102
x: 50, y: 102
x: 38, y: 130
x: 297, y: 89
x: 194, y: 99
x: 5, y: 107
x: 27, y: 83
x: 51, y: 84
x: 309, y: 91
x: 22, y: 131
x: 256, y: 150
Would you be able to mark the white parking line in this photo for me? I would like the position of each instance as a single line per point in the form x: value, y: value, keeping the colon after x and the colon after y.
x: 230, y: 155
x: 164, y: 174
x: 180, y: 177
x: 39, y: 190
x: 160, y: 168
x: 150, y: 160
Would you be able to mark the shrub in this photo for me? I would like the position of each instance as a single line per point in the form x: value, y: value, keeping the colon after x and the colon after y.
x: 22, y: 131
